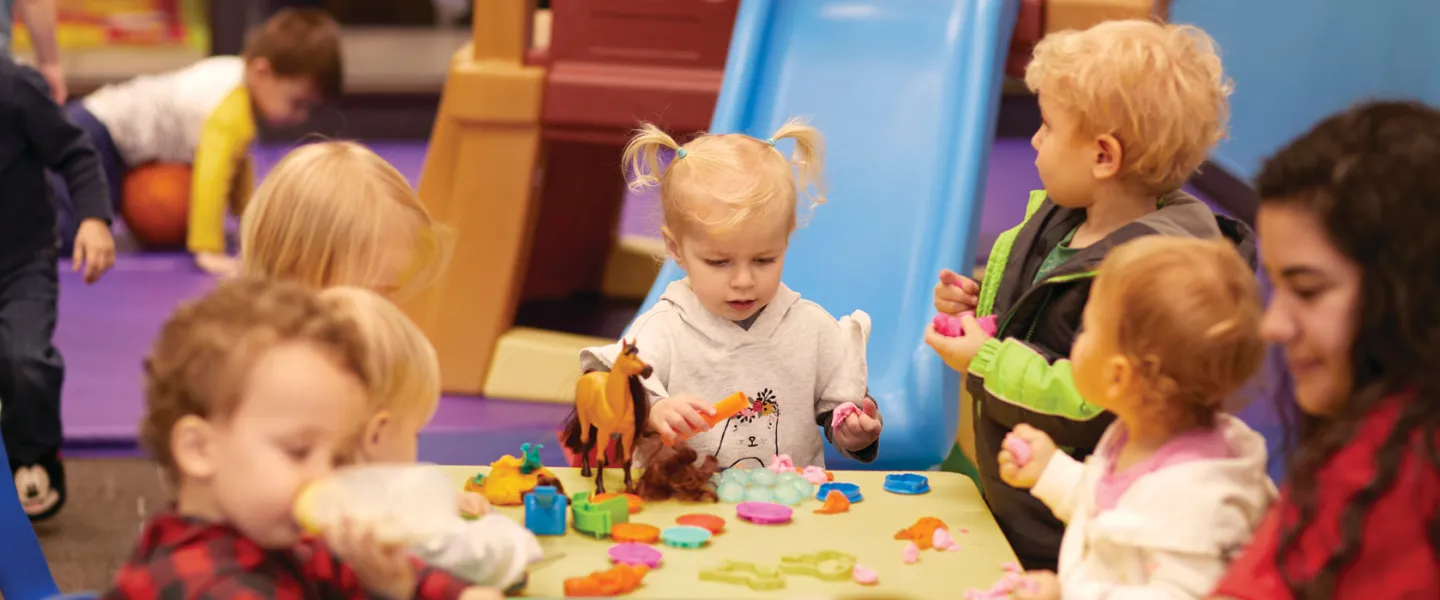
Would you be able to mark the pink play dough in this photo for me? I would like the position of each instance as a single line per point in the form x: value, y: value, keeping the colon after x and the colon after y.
x: 1012, y: 581
x: 911, y: 554
x: 815, y: 475
x: 942, y: 540
x: 949, y: 326
x: 865, y: 576
x: 1018, y: 448
x: 842, y: 412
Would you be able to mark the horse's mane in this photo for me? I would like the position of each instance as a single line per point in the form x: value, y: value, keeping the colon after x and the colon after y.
x: 570, y: 434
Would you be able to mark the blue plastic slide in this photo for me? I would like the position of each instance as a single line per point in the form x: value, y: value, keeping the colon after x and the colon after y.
x: 906, y: 93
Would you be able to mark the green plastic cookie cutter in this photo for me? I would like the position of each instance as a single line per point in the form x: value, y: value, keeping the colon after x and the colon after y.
x: 598, y: 519
x: 734, y: 572
x: 828, y: 565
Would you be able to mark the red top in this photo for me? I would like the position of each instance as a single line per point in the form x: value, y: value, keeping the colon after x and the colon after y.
x: 180, y: 557
x: 1395, y: 559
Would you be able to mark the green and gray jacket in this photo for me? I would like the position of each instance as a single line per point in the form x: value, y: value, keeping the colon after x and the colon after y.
x: 1023, y: 375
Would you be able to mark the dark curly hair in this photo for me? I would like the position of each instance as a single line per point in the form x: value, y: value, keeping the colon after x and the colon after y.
x: 1371, y: 175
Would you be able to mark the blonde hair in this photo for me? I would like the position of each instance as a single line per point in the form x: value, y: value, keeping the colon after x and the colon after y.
x: 1158, y: 88
x: 745, y: 178
x: 401, y: 367
x: 332, y: 213
x: 1187, y: 316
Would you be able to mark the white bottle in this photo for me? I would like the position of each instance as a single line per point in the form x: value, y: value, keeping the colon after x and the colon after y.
x: 402, y: 503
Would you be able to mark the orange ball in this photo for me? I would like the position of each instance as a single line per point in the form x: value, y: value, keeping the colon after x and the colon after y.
x: 155, y: 202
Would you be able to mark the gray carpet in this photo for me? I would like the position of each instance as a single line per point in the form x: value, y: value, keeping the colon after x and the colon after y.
x: 92, y: 536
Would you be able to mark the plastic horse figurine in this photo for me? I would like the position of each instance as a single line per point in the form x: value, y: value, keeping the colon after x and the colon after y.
x: 609, y: 405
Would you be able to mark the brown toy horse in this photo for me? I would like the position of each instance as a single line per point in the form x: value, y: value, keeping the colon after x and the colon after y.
x: 609, y: 404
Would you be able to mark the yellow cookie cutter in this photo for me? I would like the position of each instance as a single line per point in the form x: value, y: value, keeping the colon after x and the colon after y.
x: 745, y: 573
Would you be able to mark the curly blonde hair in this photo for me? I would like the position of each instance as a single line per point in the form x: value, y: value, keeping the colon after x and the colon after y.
x: 1158, y: 88
x: 717, y: 182
x: 206, y: 349
x: 1187, y: 315
x: 335, y: 213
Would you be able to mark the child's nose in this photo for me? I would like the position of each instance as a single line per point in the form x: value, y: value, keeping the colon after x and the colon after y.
x: 743, y: 278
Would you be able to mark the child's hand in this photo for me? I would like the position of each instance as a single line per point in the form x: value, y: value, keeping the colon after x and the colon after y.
x: 860, y: 430
x: 217, y: 264
x: 956, y: 293
x: 958, y: 351
x: 1037, y: 585
x: 473, y: 504
x: 481, y: 593
x: 1017, y: 471
x: 679, y: 416
x: 94, y: 249
x: 383, y: 568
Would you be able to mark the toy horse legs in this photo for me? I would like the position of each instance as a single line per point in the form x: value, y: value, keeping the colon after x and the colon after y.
x: 626, y: 446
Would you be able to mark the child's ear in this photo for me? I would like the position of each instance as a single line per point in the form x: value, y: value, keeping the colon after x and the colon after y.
x: 1119, y: 378
x: 259, y: 67
x: 192, y: 446
x: 672, y: 246
x: 375, y: 432
x: 1108, y: 157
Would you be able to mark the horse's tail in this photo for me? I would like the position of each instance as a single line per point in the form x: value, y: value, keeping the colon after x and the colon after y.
x: 641, y: 405
x: 570, y: 433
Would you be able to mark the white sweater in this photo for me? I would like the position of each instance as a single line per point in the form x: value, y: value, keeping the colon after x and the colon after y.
x: 1171, y: 533
x: 794, y: 362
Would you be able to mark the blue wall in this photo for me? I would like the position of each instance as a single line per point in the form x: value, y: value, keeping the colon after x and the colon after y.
x: 1296, y: 61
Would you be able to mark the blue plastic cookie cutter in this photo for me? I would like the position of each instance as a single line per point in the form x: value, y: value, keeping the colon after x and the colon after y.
x: 908, y: 484
x: 851, y: 491
x: 685, y: 536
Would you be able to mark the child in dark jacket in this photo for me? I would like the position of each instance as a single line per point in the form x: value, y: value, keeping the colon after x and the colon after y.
x: 35, y: 136
x: 1129, y: 109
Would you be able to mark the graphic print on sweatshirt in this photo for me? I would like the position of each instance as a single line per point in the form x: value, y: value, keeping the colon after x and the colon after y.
x: 753, y: 434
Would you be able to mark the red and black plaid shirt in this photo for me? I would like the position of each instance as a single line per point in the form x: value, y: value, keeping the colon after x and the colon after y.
x: 184, y: 558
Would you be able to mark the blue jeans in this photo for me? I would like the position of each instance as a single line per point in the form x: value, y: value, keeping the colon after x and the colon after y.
x: 31, y: 369
x: 110, y: 161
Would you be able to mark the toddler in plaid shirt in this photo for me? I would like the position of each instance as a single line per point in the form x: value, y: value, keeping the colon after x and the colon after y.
x: 252, y: 392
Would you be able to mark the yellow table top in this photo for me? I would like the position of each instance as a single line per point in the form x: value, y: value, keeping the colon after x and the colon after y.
x: 867, y: 531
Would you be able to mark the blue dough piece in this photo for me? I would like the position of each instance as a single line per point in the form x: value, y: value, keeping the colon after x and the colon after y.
x: 788, y: 495
x: 736, y: 475
x: 685, y: 536
x: 851, y: 491
x: 906, y: 483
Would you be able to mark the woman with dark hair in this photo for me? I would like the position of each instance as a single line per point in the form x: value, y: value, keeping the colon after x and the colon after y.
x: 1349, y: 230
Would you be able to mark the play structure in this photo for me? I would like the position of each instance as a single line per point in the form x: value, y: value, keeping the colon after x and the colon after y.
x: 906, y: 93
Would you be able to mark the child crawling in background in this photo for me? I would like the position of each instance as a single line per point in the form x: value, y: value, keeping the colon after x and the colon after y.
x: 253, y: 392
x: 404, y: 391
x: 1175, y: 487
x: 205, y: 115
x: 729, y: 204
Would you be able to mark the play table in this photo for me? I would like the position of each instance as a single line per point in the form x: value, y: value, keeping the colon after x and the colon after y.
x: 866, y: 531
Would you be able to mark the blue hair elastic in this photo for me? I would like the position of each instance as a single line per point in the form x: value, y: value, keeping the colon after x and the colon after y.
x: 769, y: 142
x: 680, y: 153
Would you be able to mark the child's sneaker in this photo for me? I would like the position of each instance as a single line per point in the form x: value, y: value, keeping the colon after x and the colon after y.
x: 41, y: 487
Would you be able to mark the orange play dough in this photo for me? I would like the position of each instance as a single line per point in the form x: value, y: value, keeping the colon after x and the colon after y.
x: 633, y: 502
x: 619, y: 579
x: 639, y: 533
x: 835, y: 502
x: 922, y: 532
x: 713, y: 523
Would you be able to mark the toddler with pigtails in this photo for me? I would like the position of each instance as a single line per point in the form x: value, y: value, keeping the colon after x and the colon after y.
x: 729, y: 204
x: 1176, y: 487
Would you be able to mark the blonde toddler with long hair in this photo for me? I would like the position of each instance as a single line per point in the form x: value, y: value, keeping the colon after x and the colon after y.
x: 335, y: 213
x: 730, y: 203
